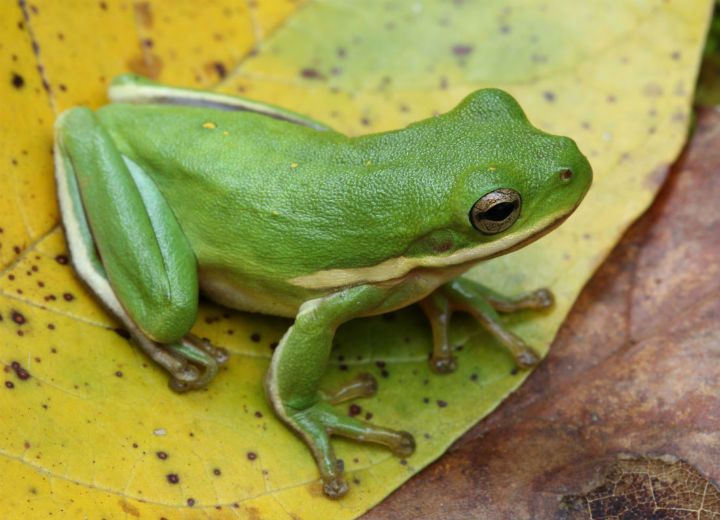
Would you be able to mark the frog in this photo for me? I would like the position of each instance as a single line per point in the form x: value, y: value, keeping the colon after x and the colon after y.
x: 169, y: 192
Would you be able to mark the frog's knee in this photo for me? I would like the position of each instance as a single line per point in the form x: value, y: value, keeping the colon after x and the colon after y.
x: 168, y: 317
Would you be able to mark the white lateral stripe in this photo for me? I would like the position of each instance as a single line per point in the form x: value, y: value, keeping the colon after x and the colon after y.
x: 141, y: 94
x: 400, y: 266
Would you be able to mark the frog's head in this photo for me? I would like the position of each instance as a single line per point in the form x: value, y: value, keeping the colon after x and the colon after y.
x: 521, y: 184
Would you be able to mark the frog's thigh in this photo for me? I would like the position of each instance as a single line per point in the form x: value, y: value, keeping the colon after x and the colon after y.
x: 111, y: 204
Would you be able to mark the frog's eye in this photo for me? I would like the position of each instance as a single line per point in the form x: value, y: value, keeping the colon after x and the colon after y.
x: 496, y: 211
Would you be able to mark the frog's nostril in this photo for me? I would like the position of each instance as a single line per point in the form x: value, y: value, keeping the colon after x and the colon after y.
x: 566, y: 174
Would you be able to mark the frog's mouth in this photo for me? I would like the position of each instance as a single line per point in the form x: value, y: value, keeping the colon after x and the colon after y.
x: 395, y: 268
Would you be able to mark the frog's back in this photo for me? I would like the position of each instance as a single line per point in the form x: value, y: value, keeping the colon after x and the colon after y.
x: 263, y: 200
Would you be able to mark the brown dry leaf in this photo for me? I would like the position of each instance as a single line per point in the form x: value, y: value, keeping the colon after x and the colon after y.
x: 635, y: 370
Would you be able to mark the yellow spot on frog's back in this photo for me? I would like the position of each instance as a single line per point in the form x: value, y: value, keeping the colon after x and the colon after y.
x: 367, y: 163
x: 492, y: 169
x: 209, y: 125
x: 226, y: 132
x: 275, y: 213
x: 293, y: 165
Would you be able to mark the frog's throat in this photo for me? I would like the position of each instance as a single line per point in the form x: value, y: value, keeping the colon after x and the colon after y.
x: 398, y: 267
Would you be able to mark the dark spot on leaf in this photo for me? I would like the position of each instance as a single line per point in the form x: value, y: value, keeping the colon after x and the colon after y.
x: 403, y: 462
x: 18, y: 318
x: 675, y: 55
x: 161, y: 455
x: 173, y: 478
x: 274, y: 345
x: 220, y: 69
x: 20, y: 372
x: 549, y: 96
x: 340, y: 52
x: 365, y: 121
x: 255, y: 337
x: 380, y: 364
x: 611, y: 99
x: 148, y: 43
x: 103, y: 6
x: 63, y: 87
x: 191, y: 502
x: 68, y: 296
x: 505, y: 29
x: 368, y: 416
x: 311, y: 74
x: 258, y: 414
x: 251, y: 455
x: 462, y: 50
x: 426, y: 400
x: 473, y: 377
x: 61, y: 259
x: 384, y: 373
x: 355, y: 410
x: 9, y: 384
x: 216, y: 472
x: 118, y: 373
x: 17, y: 80
x: 514, y: 371
x: 441, y: 403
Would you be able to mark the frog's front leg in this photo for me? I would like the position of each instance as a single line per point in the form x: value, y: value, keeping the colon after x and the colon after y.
x: 297, y: 366
x: 128, y: 248
x: 463, y: 294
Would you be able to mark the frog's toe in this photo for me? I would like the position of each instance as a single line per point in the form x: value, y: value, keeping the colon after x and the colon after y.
x: 544, y: 299
x: 198, y: 363
x: 364, y: 385
x: 444, y: 364
x: 405, y: 445
x: 335, y: 488
x: 184, y: 379
x: 527, y: 358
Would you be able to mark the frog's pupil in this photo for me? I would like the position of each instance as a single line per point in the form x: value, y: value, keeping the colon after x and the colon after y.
x: 501, y: 211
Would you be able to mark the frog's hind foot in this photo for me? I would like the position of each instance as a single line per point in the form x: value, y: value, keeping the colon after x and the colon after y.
x: 199, y: 361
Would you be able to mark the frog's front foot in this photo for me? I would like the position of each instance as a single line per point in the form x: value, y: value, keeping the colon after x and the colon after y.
x: 198, y: 362
x: 483, y: 304
x: 318, y: 422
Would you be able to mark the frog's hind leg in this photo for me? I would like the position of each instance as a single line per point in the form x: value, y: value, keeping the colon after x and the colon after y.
x: 292, y: 383
x: 127, y: 250
x: 463, y: 294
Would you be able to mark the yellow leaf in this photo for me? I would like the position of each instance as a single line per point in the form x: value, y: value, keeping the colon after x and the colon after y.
x: 90, y: 427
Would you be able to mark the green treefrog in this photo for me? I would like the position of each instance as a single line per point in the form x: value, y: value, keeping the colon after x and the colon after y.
x: 168, y: 191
